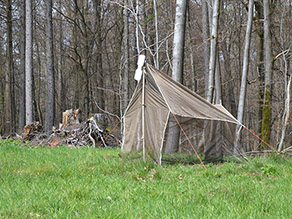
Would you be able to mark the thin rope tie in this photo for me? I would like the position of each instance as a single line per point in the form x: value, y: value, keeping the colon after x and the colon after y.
x: 189, y: 141
x: 252, y: 132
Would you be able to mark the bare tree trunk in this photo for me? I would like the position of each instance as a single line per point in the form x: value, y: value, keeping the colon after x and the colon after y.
x: 100, y: 57
x: 179, y: 41
x: 21, y: 113
x: 10, y: 95
x: 61, y: 103
x: 206, y: 35
x: 193, y: 80
x: 218, y: 88
x: 28, y: 63
x: 156, y: 33
x: 266, y: 124
x: 230, y: 99
x: 286, y: 114
x: 242, y: 94
x: 50, y: 69
x: 125, y: 79
x: 177, y: 70
x: 213, y: 49
x: 288, y: 80
x: 260, y: 59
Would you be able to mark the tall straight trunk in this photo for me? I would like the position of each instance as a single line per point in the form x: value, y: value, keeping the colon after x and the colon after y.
x: 242, y: 94
x: 266, y: 124
x: 288, y: 79
x: 179, y: 41
x: 218, y: 88
x: 101, y: 73
x: 137, y: 27
x: 213, y: 49
x: 99, y: 59
x: 61, y: 99
x: 21, y: 113
x: 125, y: 79
x: 230, y: 99
x: 259, y: 15
x: 156, y: 33
x: 10, y: 95
x: 206, y: 35
x: 286, y: 113
x: 177, y: 70
x: 193, y: 80
x: 28, y: 63
x: 37, y: 86
x: 50, y: 117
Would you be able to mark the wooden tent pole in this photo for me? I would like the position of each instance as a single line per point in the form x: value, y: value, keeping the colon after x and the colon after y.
x: 143, y: 114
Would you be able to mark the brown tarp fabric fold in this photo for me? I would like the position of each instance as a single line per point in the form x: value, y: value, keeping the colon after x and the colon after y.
x: 197, y: 116
x: 184, y: 102
x: 132, y: 123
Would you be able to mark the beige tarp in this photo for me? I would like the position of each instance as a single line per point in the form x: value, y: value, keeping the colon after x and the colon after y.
x: 164, y: 96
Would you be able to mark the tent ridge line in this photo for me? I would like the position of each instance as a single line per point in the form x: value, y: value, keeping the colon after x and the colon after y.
x: 159, y: 88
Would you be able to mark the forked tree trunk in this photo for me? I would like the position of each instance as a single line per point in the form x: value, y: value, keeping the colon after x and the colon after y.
x: 177, y: 70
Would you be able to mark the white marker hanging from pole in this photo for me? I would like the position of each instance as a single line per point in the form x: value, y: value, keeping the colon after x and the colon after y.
x: 140, y: 63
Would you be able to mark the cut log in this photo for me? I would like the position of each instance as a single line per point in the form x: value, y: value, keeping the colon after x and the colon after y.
x: 70, y: 117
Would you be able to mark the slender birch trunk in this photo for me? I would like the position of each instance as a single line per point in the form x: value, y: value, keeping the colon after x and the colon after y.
x: 213, y: 49
x: 288, y: 80
x: 242, y: 94
x: 172, y: 142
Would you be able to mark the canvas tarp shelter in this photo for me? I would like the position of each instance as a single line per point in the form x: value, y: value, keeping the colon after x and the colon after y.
x: 156, y: 98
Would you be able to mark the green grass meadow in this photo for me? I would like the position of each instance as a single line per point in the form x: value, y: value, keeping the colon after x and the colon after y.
x: 62, y: 182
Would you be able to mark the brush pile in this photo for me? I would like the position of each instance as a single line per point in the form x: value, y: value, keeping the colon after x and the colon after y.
x: 71, y: 132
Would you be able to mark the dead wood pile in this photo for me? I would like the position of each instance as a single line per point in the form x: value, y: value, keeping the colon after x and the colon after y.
x: 71, y: 132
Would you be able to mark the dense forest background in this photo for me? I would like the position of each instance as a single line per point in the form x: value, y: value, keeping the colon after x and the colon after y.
x: 82, y: 54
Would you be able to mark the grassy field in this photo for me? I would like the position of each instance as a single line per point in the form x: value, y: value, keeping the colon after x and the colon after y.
x: 68, y: 183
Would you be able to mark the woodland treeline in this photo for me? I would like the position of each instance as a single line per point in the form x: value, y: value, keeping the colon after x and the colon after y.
x: 82, y: 54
